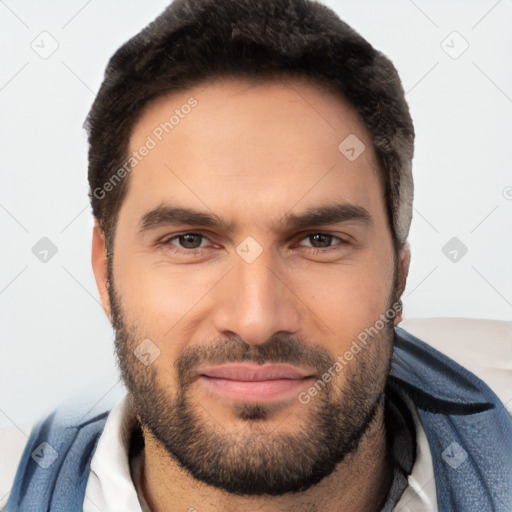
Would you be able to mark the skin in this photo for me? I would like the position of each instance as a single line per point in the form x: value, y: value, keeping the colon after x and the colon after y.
x: 252, y: 153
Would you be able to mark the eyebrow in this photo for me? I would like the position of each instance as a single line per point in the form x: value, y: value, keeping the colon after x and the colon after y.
x: 167, y: 215
x: 327, y: 214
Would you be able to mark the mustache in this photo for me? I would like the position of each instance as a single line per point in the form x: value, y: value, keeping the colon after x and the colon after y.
x: 277, y: 349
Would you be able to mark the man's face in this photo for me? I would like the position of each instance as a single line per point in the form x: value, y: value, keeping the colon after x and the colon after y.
x: 245, y: 315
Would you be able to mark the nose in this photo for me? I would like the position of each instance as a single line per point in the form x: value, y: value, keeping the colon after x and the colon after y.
x: 255, y: 302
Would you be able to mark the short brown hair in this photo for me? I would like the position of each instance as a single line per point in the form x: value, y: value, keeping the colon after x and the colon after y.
x: 194, y: 40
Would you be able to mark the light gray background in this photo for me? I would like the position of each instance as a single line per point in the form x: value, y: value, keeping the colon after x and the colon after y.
x: 56, y: 342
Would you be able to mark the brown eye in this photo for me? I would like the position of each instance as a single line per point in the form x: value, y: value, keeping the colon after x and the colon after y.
x: 190, y: 240
x: 185, y: 242
x: 322, y: 240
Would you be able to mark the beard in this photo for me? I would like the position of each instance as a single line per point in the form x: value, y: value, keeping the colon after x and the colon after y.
x: 249, y: 456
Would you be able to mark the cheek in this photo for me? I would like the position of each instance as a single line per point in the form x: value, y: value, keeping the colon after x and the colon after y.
x: 161, y: 300
x: 348, y: 298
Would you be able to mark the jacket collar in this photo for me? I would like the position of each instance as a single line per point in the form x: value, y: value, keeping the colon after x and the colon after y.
x: 435, y: 382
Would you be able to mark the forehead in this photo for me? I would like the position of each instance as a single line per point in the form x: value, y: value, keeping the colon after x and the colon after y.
x: 240, y: 145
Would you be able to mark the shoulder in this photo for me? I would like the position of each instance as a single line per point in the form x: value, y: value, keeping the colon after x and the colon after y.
x: 458, y: 374
x: 12, y: 444
x: 484, y: 347
x: 61, y: 443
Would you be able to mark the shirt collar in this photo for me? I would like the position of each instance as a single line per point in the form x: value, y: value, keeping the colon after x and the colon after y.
x: 110, y: 486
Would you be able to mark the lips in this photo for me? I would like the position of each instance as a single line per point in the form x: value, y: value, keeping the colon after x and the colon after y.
x: 252, y: 382
x: 253, y: 372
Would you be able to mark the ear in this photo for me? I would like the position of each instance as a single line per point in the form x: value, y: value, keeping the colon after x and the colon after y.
x: 99, y: 266
x: 404, y: 261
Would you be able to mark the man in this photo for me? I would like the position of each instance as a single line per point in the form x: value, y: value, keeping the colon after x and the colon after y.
x: 250, y: 174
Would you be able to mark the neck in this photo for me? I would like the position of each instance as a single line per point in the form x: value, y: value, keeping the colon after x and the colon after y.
x: 359, y: 483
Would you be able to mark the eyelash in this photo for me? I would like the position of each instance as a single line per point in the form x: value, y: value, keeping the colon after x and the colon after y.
x: 192, y: 252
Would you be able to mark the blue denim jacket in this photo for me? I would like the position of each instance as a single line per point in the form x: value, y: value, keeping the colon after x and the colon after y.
x: 468, y: 429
